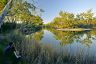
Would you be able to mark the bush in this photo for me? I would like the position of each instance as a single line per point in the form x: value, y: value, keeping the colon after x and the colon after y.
x: 8, y: 26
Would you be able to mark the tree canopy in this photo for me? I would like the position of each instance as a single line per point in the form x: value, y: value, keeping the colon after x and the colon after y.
x: 21, y: 12
x: 2, y: 4
x: 70, y: 20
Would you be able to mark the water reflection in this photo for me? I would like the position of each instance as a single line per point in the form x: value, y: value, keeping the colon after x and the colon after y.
x: 72, y: 46
x: 78, y: 45
x: 37, y: 36
x: 64, y: 38
x: 72, y: 41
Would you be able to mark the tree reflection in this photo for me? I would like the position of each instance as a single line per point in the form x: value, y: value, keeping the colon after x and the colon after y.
x: 69, y: 37
x: 37, y: 36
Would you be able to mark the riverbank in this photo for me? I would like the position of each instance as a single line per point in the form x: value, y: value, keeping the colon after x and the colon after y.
x: 75, y: 29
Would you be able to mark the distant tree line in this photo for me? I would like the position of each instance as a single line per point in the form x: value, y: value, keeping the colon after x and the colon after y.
x: 70, y: 20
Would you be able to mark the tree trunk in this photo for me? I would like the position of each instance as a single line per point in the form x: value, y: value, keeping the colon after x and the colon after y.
x: 5, y: 11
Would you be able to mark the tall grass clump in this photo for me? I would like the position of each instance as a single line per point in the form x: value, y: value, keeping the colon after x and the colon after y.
x: 33, y: 52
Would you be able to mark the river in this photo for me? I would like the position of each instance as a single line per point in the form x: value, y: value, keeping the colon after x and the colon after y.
x: 72, y: 41
x: 80, y: 45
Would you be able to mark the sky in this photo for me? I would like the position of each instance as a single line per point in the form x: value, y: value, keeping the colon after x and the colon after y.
x: 53, y: 7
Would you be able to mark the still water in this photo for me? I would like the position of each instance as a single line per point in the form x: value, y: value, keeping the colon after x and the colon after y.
x: 73, y: 42
x: 76, y: 46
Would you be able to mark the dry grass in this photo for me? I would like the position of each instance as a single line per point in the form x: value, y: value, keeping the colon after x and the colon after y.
x: 36, y: 53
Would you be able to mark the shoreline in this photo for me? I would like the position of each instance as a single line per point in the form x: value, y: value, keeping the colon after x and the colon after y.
x: 74, y: 29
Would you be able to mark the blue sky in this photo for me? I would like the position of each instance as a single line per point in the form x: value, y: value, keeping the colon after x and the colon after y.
x: 53, y: 7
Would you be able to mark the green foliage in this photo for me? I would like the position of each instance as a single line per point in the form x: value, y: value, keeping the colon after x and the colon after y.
x: 31, y: 24
x: 69, y: 20
x: 21, y: 12
x: 2, y: 4
x: 7, y: 27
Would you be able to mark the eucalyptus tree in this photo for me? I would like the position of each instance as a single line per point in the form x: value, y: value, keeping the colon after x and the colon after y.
x: 64, y: 20
x: 18, y: 10
x: 69, y: 20
x: 89, y: 16
x: 5, y: 11
x: 2, y: 4
x: 85, y: 18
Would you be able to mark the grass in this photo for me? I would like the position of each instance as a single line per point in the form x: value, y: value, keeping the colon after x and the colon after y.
x: 33, y: 52
x: 36, y: 53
